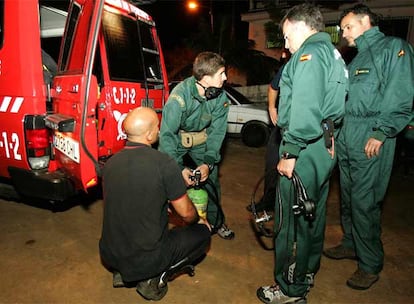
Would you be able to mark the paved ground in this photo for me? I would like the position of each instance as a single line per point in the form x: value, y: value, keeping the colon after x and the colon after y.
x: 48, y: 257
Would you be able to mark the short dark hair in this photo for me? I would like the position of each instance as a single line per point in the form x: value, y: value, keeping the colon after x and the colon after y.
x: 207, y: 63
x: 308, y: 13
x: 361, y: 9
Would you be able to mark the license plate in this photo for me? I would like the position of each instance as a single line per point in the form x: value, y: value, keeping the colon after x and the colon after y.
x: 67, y: 146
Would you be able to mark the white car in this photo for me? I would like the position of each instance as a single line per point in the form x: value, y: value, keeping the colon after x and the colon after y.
x: 248, y: 119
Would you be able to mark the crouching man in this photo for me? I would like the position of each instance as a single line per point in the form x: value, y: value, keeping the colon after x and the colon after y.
x: 140, y: 185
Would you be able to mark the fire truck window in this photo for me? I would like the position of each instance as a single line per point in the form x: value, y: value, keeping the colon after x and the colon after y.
x: 150, y: 53
x: 128, y: 61
x: 1, y: 22
x: 97, y: 68
x: 73, y: 17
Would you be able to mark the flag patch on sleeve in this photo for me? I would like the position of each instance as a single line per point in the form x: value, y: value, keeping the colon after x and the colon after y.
x: 305, y: 57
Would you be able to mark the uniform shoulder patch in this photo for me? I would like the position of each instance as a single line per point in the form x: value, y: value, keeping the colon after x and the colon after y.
x: 305, y: 57
x: 179, y: 99
x: 401, y: 53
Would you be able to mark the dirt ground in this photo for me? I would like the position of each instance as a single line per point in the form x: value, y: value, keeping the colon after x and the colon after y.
x: 52, y: 257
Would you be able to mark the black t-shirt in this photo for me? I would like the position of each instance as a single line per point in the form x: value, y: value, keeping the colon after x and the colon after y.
x: 138, y: 181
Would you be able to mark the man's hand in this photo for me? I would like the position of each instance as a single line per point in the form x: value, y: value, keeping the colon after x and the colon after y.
x: 205, y: 171
x: 273, y: 115
x: 285, y: 167
x: 187, y: 173
x: 372, y: 148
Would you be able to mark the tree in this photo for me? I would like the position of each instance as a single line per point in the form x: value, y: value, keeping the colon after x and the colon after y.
x: 236, y: 49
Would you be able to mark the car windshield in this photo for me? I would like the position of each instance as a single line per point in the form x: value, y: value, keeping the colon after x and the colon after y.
x: 237, y: 95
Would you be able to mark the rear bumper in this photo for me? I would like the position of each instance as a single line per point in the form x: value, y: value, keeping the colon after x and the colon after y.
x: 51, y: 186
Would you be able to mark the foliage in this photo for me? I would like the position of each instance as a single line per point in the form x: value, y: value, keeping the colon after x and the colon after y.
x: 238, y: 51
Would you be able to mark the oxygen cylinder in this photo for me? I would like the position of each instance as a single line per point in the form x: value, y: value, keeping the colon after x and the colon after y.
x: 198, y: 196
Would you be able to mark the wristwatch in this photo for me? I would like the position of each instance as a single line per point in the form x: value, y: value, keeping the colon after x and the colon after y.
x: 210, y: 167
x: 287, y: 155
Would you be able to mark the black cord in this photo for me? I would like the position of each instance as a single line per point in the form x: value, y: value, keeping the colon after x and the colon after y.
x: 215, y: 200
x: 260, y: 221
x: 302, y: 206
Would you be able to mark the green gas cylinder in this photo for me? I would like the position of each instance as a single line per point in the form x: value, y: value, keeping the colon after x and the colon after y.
x: 198, y: 196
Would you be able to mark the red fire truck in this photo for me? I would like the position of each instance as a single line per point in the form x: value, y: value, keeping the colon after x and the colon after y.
x: 56, y: 135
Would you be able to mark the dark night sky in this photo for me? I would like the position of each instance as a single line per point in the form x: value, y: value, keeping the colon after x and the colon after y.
x: 174, y: 21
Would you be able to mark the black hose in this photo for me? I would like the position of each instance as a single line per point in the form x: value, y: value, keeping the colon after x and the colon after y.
x: 214, y: 198
x: 260, y: 221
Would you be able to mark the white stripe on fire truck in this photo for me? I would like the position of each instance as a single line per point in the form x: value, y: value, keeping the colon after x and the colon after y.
x: 5, y: 104
x: 15, y: 106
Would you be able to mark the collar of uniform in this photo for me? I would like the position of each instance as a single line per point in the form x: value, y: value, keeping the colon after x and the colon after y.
x: 194, y: 90
x: 368, y: 38
x: 319, y: 36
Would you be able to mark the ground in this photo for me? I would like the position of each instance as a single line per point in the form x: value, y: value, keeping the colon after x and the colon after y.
x: 52, y: 257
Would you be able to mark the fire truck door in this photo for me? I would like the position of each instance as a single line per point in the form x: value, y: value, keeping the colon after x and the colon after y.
x: 74, y: 105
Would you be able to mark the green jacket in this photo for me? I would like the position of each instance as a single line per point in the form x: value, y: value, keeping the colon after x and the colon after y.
x: 187, y: 110
x: 382, y: 82
x: 313, y: 87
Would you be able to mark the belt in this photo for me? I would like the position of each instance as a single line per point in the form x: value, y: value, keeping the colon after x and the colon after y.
x: 191, y: 139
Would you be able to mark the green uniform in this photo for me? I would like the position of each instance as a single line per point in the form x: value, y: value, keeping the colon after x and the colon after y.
x: 379, y: 106
x: 187, y: 111
x: 313, y: 88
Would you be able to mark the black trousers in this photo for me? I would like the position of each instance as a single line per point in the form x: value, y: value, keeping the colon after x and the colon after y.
x: 271, y: 161
x: 189, y: 241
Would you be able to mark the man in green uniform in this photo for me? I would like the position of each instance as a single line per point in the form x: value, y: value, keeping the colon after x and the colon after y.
x: 313, y: 89
x: 379, y: 106
x: 194, y: 123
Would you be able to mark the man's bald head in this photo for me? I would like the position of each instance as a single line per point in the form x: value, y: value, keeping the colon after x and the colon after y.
x: 141, y: 125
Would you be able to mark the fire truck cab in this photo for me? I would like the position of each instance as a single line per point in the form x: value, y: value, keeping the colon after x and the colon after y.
x: 58, y: 125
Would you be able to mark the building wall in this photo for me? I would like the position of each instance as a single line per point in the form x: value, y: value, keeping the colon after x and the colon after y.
x: 387, y: 8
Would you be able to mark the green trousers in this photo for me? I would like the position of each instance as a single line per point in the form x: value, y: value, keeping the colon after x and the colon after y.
x: 363, y: 184
x: 314, y: 166
x: 215, y: 216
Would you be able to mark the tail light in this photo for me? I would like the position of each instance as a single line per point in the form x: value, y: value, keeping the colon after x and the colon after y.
x: 37, y: 142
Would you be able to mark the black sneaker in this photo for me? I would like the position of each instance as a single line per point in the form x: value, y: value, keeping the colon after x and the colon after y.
x: 117, y: 281
x: 225, y: 233
x: 150, y: 289
x: 274, y: 295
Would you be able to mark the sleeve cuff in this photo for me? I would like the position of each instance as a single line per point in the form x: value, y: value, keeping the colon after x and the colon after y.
x: 379, y: 135
x: 292, y: 149
x: 209, y: 160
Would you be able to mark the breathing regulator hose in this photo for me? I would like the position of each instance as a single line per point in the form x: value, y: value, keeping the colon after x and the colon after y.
x: 302, y: 206
x: 260, y: 218
x: 200, y: 192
